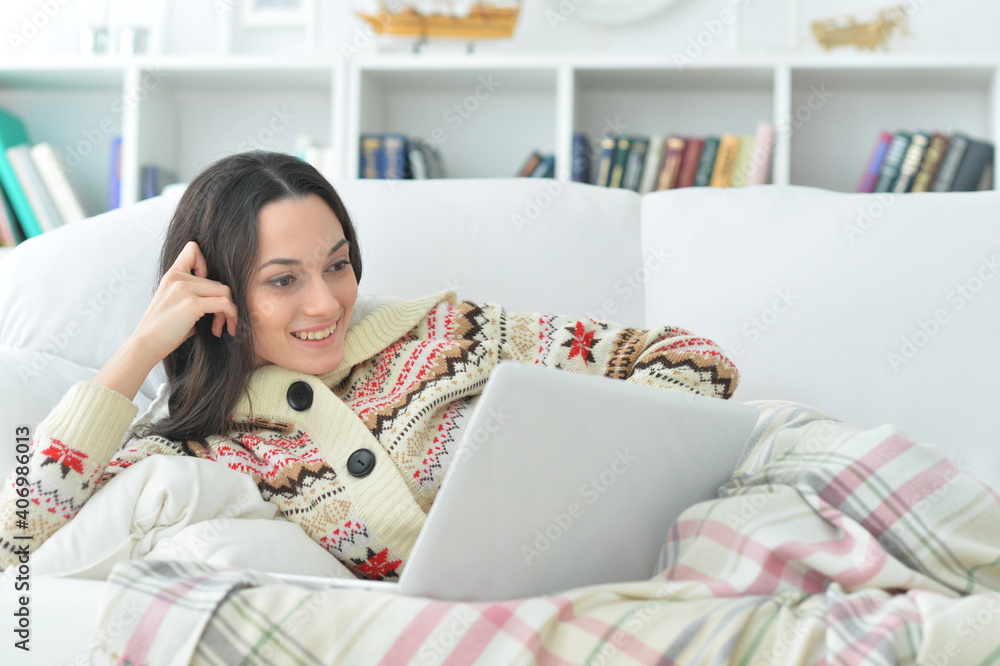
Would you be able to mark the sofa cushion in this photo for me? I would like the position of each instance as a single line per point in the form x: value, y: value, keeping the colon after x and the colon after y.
x: 873, y: 308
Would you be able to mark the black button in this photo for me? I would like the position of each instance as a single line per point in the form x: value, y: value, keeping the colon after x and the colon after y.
x: 361, y: 463
x: 300, y: 396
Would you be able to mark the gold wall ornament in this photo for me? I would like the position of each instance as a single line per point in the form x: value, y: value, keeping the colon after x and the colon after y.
x: 831, y: 33
x: 452, y: 19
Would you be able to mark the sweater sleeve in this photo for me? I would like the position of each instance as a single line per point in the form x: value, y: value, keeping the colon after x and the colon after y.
x: 68, y: 455
x: 663, y: 357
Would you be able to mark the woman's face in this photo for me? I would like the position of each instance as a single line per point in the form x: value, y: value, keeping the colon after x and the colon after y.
x: 303, y: 289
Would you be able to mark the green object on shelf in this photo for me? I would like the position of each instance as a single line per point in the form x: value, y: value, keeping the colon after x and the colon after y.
x: 12, y: 133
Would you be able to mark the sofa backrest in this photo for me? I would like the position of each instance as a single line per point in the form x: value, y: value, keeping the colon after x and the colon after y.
x: 873, y: 308
x: 70, y: 297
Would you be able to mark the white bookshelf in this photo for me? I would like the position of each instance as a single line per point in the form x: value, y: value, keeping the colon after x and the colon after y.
x: 183, y: 113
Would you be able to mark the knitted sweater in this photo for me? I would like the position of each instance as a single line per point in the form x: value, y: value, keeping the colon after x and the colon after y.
x: 412, y: 373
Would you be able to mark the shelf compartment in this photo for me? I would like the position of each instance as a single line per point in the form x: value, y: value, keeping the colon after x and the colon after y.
x: 78, y: 110
x: 646, y: 101
x: 484, y: 121
x: 192, y: 116
x: 837, y: 114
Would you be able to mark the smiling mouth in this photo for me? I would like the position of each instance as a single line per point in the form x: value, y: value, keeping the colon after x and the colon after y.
x: 316, y: 335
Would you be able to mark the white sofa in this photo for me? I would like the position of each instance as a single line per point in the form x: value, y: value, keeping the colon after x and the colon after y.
x: 872, y: 308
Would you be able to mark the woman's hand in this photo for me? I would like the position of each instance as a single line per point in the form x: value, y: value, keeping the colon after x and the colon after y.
x: 184, y: 296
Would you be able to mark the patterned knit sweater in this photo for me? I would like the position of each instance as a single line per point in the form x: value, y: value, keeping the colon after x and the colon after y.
x: 412, y: 373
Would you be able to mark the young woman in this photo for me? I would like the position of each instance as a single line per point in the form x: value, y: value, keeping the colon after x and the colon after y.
x: 344, y: 411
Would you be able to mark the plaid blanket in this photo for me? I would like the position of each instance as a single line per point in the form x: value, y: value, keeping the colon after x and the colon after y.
x: 830, y: 545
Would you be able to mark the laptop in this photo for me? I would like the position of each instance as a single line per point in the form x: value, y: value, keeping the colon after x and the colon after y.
x: 563, y: 480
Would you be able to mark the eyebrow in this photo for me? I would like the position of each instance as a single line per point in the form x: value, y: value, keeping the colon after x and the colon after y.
x: 296, y: 262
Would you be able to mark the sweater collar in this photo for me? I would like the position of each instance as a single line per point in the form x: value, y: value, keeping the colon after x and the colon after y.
x: 376, y: 322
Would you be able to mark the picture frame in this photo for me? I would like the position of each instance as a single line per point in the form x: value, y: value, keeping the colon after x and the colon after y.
x: 271, y: 13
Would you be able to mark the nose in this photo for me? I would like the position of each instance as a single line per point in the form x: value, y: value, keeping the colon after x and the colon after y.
x: 319, y: 299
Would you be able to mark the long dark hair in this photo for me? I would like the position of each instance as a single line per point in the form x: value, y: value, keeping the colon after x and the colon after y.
x: 218, y: 210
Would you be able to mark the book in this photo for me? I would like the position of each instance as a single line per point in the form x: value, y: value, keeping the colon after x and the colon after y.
x: 371, y: 156
x: 911, y: 162
x: 741, y: 166
x: 153, y: 179
x: 34, y: 188
x: 634, y: 164
x: 689, y: 162
x: 607, y: 155
x: 671, y: 167
x: 722, y: 171
x: 623, y: 146
x: 394, y: 148
x: 949, y: 163
x: 115, y: 177
x: 970, y: 170
x: 875, y: 160
x: 581, y: 158
x: 10, y: 232
x: 760, y: 158
x: 529, y: 165
x: 418, y: 162
x: 56, y: 183
x: 546, y: 167
x: 932, y: 161
x: 703, y: 174
x: 654, y: 158
x: 435, y: 165
x: 894, y: 155
x: 12, y: 133
x: 986, y: 181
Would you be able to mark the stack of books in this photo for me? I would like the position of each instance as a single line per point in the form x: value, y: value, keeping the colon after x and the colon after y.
x: 35, y: 195
x: 646, y: 164
x: 928, y: 162
x: 397, y: 156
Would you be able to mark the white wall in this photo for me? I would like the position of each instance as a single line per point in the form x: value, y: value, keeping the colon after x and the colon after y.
x: 34, y: 27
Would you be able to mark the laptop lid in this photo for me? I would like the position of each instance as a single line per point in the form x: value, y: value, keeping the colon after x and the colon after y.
x: 564, y: 480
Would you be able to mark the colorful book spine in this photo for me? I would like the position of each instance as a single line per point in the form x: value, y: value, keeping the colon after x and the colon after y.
x: 875, y: 160
x: 689, y: 163
x: 529, y: 165
x: 9, y: 229
x: 623, y: 145
x: 893, y: 161
x: 949, y: 163
x: 56, y: 183
x: 115, y: 176
x: 394, y: 156
x: 634, y: 164
x: 34, y: 188
x: 418, y: 162
x: 741, y: 167
x: 703, y: 175
x: 12, y: 133
x: 371, y: 156
x: 762, y: 154
x: 722, y: 171
x: 581, y: 158
x: 654, y: 158
x: 608, y: 143
x: 931, y: 163
x: 911, y: 162
x: 546, y: 167
x: 671, y: 167
x: 969, y: 176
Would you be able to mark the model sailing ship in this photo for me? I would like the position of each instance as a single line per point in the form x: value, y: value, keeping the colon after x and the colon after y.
x: 424, y: 19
